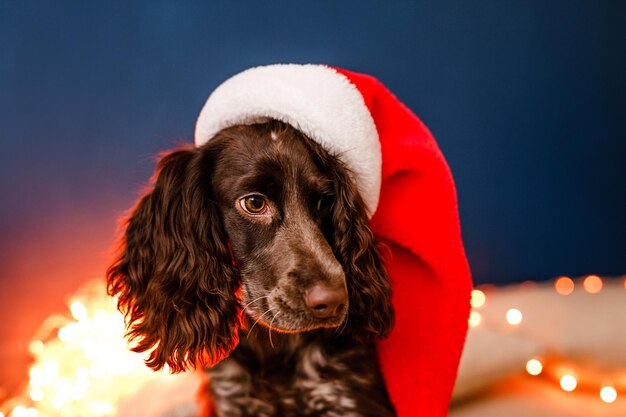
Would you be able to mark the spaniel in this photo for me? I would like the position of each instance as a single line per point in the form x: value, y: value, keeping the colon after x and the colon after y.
x: 251, y: 256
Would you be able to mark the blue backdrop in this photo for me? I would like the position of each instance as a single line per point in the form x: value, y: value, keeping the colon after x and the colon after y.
x: 527, y: 101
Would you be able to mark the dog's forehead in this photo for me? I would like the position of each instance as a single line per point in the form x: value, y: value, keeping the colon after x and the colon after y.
x: 281, y: 150
x: 278, y: 156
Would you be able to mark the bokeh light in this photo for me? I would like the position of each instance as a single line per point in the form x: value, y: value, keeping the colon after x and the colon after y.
x: 36, y: 347
x: 568, y: 382
x: 514, y: 316
x: 534, y: 367
x: 475, y: 319
x: 608, y: 394
x: 592, y: 284
x: 478, y: 299
x: 37, y: 394
x: 79, y: 311
x: 564, y: 285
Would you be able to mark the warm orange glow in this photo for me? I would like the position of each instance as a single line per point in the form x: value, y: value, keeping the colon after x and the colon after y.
x: 568, y: 382
x: 514, y: 316
x: 625, y: 282
x: 592, y: 284
x: 564, y: 285
x: 478, y: 299
x: 475, y: 319
x: 608, y: 394
x: 534, y: 367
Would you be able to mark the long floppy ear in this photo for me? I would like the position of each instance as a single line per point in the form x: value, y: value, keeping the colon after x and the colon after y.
x: 174, y: 277
x: 369, y: 288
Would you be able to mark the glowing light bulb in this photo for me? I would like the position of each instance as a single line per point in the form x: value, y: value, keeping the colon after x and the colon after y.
x: 71, y: 331
x: 58, y: 402
x: 36, y: 347
x: 475, y: 319
x: 19, y: 411
x: 36, y: 394
x: 478, y: 299
x: 101, y: 408
x: 534, y: 367
x: 592, y: 284
x: 514, y: 316
x: 568, y: 382
x: 564, y: 285
x: 608, y: 394
x: 79, y: 311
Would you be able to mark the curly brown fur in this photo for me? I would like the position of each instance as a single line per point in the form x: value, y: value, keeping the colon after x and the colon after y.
x: 300, y: 282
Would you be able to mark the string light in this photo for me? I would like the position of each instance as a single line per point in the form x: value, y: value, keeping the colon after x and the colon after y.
x: 592, y: 284
x: 568, y: 382
x: 83, y: 366
x: 79, y: 311
x: 478, y: 299
x: 608, y: 394
x: 551, y: 367
x: 35, y: 347
x: 101, y: 408
x: 474, y: 319
x: 514, y: 316
x: 564, y: 285
x: 37, y: 394
x: 534, y: 367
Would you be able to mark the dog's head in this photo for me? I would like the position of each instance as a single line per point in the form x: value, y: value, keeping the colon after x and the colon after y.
x: 259, y: 219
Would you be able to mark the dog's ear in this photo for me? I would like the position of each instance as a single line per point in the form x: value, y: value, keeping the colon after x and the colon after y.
x: 371, y: 311
x: 174, y: 277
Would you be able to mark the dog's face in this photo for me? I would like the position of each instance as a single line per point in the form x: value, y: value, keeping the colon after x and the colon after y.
x: 289, y: 214
x: 275, y: 202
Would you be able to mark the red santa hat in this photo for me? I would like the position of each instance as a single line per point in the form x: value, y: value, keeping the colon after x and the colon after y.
x: 411, y: 198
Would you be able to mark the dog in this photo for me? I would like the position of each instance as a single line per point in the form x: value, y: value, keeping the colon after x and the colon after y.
x: 251, y: 256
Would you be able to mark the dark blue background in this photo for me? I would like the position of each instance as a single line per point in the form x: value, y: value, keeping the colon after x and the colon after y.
x: 527, y: 100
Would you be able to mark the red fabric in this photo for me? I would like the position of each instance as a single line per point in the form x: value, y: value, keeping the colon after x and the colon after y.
x: 417, y: 217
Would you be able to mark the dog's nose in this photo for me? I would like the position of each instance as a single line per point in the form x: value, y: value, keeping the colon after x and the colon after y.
x: 324, y: 301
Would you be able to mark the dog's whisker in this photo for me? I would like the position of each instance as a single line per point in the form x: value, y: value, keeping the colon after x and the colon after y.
x: 256, y: 299
x: 270, y: 333
x: 343, y: 326
x: 269, y: 310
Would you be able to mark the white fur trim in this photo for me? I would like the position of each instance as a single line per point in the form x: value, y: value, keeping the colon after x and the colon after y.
x: 314, y: 99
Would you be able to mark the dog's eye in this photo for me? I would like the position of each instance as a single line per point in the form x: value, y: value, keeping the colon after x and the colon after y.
x: 254, y: 204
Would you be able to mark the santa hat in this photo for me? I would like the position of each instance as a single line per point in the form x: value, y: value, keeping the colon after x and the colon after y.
x: 411, y: 198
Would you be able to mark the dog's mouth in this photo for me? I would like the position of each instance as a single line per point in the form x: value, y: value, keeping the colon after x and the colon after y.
x: 305, y: 326
x: 292, y: 320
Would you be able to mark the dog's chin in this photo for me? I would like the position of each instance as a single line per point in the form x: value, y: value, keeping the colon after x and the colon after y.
x: 305, y: 324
